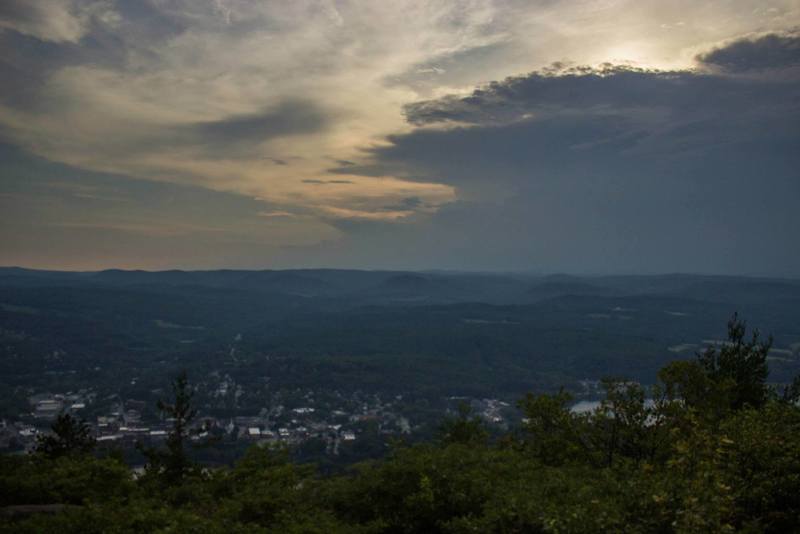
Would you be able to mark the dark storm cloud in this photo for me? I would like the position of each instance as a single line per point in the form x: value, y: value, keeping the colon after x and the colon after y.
x: 582, y: 91
x: 580, y: 116
x: 610, y: 169
x: 772, y: 51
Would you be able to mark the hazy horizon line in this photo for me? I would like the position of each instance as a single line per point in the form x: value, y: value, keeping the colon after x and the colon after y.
x: 499, y: 272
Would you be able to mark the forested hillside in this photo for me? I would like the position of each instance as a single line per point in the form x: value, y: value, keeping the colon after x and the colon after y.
x: 710, y: 448
x: 426, y: 334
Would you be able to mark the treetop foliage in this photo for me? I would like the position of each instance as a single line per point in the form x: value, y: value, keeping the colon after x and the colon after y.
x: 69, y: 436
x: 172, y: 465
x: 740, y: 364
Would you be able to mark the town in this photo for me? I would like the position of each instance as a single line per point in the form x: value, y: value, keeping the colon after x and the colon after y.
x: 332, y: 419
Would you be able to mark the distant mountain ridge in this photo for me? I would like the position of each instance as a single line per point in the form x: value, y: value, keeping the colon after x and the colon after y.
x: 420, y: 286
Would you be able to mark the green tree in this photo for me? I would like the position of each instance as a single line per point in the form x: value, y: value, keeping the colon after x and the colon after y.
x: 465, y: 428
x: 622, y: 419
x: 686, y: 386
x: 553, y: 434
x: 719, y: 467
x: 763, y: 466
x: 69, y: 436
x: 173, y: 464
x: 741, y: 362
x: 791, y: 393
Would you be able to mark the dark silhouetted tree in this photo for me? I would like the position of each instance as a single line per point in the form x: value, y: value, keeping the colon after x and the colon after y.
x: 69, y: 436
x: 791, y: 393
x: 173, y: 464
x: 623, y: 418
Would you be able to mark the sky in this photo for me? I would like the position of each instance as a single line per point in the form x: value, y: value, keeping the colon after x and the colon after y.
x: 584, y: 136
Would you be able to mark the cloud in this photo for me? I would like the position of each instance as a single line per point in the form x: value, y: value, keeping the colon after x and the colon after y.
x: 366, y: 215
x: 612, y: 168
x: 406, y: 204
x: 55, y: 20
x: 454, y: 68
x: 252, y: 99
x: 644, y: 96
x: 195, y: 92
x: 568, y: 112
x: 326, y: 182
x: 770, y: 51
x: 247, y: 131
x: 48, y: 20
x: 276, y: 213
x: 47, y: 219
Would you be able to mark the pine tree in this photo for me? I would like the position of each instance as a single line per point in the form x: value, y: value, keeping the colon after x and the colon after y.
x: 69, y: 436
x: 173, y: 464
x: 740, y: 363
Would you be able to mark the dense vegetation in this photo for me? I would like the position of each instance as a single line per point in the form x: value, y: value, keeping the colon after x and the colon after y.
x: 711, y: 448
